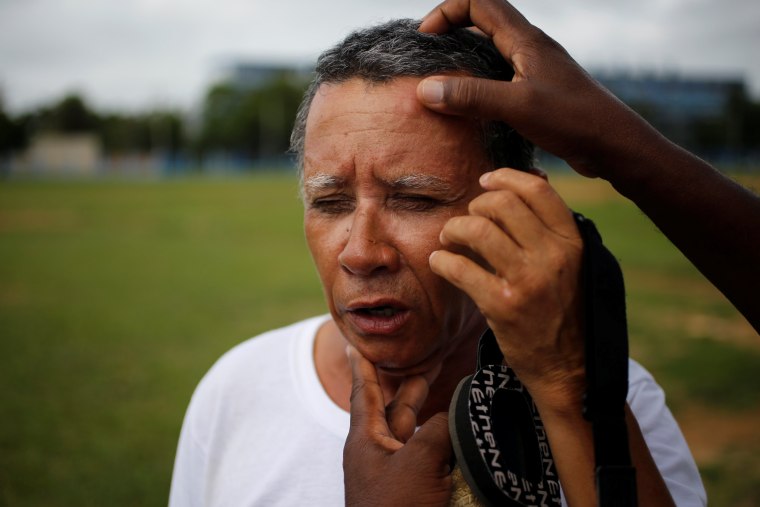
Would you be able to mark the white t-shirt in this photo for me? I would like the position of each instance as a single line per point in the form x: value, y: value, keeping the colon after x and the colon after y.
x: 261, y: 430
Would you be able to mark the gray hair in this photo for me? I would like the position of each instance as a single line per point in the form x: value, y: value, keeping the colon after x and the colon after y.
x: 397, y: 49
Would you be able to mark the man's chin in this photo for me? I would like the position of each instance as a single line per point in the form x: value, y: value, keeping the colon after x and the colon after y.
x: 392, y: 355
x: 394, y: 366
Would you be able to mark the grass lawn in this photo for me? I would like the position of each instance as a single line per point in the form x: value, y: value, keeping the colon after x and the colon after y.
x: 117, y: 296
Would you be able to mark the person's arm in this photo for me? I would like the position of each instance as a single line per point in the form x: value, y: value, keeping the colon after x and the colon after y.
x: 664, y: 438
x: 188, y: 485
x: 557, y: 105
x: 518, y: 256
x: 385, y: 462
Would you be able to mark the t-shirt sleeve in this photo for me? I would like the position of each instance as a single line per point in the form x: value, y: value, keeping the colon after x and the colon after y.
x: 191, y: 460
x: 664, y: 438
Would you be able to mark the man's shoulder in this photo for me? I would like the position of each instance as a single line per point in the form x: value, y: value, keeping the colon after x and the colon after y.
x: 267, y: 347
x: 263, y: 356
x: 663, y: 437
x: 246, y: 373
x: 275, y: 338
x: 639, y: 378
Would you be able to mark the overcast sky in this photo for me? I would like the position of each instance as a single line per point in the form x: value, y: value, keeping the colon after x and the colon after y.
x: 139, y: 54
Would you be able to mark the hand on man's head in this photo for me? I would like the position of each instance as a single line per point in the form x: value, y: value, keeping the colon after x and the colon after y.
x: 551, y: 100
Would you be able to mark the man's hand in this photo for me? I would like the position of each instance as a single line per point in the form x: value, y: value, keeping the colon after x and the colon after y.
x: 385, y: 462
x: 551, y: 100
x: 528, y: 286
x: 518, y: 255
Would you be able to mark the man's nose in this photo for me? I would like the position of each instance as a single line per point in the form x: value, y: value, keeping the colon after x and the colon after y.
x: 368, y: 249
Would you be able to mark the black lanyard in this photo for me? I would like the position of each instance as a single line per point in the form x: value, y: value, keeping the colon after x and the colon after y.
x: 606, y: 335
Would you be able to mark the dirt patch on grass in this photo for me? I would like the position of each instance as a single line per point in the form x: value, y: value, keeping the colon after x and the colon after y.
x: 712, y: 433
x: 577, y: 190
x: 730, y: 326
x: 13, y: 295
x: 731, y: 329
x: 662, y: 281
x: 750, y: 181
x: 734, y: 330
x: 37, y: 220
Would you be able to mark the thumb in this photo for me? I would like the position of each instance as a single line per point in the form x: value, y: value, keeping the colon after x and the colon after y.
x: 432, y: 443
x: 472, y: 96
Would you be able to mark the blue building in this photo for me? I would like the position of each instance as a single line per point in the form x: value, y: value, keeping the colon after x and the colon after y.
x: 698, y: 113
x: 254, y: 75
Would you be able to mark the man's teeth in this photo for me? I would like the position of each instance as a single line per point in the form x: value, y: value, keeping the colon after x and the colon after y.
x: 385, y: 311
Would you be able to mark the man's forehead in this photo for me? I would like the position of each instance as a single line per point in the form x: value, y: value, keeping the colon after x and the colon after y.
x: 382, y: 130
x: 392, y: 106
x: 389, y: 105
x: 399, y: 95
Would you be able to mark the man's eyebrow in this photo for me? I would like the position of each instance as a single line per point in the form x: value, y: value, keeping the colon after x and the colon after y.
x: 322, y: 181
x: 420, y: 182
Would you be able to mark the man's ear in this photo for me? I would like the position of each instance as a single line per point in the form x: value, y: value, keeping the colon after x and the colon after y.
x: 538, y: 172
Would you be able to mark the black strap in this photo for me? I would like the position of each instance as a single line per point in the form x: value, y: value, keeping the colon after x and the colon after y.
x: 606, y: 334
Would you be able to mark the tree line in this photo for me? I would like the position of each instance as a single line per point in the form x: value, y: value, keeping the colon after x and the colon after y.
x: 253, y: 124
x: 233, y: 121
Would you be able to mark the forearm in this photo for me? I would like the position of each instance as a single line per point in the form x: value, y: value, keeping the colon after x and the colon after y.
x: 571, y: 440
x: 714, y: 221
x: 650, y: 485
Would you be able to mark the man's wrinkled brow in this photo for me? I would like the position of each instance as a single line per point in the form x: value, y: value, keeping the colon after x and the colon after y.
x: 321, y: 182
x: 420, y: 182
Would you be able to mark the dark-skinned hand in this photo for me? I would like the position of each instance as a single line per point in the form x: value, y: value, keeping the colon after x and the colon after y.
x: 551, y: 100
x: 385, y: 462
x: 558, y: 106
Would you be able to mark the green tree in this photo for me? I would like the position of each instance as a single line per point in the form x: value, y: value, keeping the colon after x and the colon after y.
x: 228, y: 121
x: 278, y: 104
x: 161, y: 130
x: 249, y: 122
x: 71, y: 114
x: 12, y: 132
x: 11, y: 136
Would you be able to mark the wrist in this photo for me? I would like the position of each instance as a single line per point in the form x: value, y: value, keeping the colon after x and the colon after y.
x: 628, y: 149
x: 638, y: 161
x: 559, y: 399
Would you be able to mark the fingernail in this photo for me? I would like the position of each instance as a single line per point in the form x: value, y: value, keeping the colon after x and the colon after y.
x: 485, y: 177
x: 432, y: 91
x: 430, y: 258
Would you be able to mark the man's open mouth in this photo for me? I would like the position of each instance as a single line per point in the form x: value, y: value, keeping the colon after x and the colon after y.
x: 378, y: 317
x: 378, y: 311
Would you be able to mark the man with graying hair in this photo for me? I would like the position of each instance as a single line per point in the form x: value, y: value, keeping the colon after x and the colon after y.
x: 397, y: 49
x: 425, y: 230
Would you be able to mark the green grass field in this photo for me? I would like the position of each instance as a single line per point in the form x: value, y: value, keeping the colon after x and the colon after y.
x: 117, y: 296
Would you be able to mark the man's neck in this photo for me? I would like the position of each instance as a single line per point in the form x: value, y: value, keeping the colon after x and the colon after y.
x: 335, y: 373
